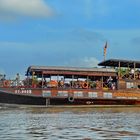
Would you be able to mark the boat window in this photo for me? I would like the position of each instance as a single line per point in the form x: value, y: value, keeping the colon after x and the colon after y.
x: 129, y: 85
x: 93, y: 94
x: 107, y: 95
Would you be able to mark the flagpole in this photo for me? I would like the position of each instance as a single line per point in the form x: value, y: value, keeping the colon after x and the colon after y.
x: 104, y: 55
x: 105, y: 48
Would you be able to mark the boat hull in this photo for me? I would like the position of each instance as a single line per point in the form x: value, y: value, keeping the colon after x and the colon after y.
x: 9, y: 98
x: 88, y: 102
x: 20, y: 99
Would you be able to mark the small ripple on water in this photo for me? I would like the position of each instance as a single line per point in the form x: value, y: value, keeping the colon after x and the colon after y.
x: 82, y: 124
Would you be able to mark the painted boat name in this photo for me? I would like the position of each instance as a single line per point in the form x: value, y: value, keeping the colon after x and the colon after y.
x: 24, y: 91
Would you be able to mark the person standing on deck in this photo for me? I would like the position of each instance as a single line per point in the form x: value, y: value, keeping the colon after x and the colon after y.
x: 109, y: 82
x: 3, y: 77
x: 132, y: 72
x: 17, y: 79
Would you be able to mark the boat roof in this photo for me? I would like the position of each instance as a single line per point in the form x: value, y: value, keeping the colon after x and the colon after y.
x: 61, y: 70
x: 123, y: 63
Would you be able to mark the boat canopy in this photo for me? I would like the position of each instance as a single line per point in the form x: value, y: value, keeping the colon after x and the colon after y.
x: 120, y: 63
x: 46, y: 71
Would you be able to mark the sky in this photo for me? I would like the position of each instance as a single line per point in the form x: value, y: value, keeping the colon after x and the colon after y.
x: 66, y: 32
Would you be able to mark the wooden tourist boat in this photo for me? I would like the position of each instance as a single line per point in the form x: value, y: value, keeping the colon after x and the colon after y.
x: 117, y: 82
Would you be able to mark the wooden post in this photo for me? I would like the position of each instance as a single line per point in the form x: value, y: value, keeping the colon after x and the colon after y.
x: 119, y: 75
x: 57, y: 80
x: 102, y: 80
x: 72, y: 80
x: 87, y: 81
x: 42, y: 79
x: 134, y: 75
x: 47, y: 102
x: 134, y: 71
x: 32, y: 78
x: 119, y: 72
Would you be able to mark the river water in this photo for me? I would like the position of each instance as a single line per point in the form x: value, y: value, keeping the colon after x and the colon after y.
x: 69, y: 123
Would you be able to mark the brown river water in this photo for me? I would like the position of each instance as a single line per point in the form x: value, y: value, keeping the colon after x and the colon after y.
x: 70, y: 123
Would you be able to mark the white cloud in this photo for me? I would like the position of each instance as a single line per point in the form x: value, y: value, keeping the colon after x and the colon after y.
x: 31, y: 8
x: 83, y: 62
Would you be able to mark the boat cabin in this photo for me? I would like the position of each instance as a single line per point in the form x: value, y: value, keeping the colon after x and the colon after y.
x: 71, y: 77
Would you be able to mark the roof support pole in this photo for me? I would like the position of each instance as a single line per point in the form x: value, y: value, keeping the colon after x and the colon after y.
x: 57, y: 80
x: 33, y: 78
x: 88, y: 81
x: 42, y: 80
x: 102, y: 80
x: 50, y: 77
x: 134, y: 71
x: 72, y: 81
x: 119, y: 72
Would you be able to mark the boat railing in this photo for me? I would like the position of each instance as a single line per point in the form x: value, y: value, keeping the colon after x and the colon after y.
x: 109, y: 83
x: 58, y: 85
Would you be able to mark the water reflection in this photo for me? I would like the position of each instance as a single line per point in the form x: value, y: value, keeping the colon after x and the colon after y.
x: 69, y: 123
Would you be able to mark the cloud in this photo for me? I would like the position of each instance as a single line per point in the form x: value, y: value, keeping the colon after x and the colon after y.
x: 30, y: 8
x: 83, y: 62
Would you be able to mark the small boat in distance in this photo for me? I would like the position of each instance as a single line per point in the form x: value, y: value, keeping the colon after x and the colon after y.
x: 117, y: 82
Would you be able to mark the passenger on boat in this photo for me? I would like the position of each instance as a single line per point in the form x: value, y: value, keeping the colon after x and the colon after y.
x: 44, y: 83
x: 76, y: 84
x: 113, y: 86
x: 17, y: 79
x: 109, y: 82
x: 132, y: 71
x: 66, y: 84
x: 35, y: 82
x: 3, y: 77
x: 98, y: 84
x: 61, y: 83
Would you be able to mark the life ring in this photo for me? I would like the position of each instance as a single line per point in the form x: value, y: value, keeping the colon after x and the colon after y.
x: 71, y: 99
x: 84, y: 85
x: 6, y: 83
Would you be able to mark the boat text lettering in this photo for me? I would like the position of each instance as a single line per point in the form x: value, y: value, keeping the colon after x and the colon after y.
x: 23, y: 91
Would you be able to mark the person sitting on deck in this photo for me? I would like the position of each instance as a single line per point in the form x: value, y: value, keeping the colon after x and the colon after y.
x: 61, y: 83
